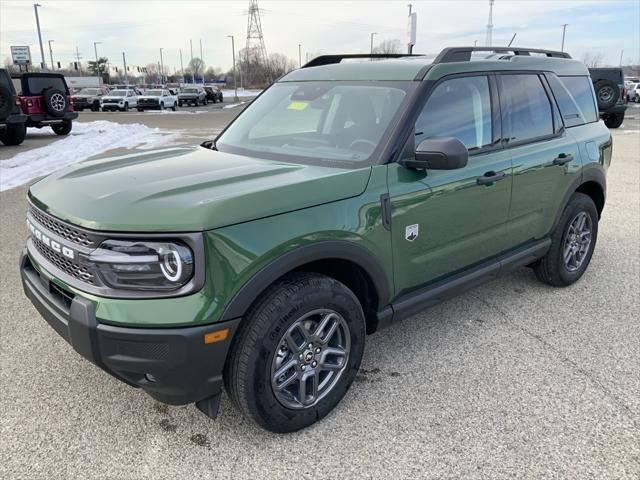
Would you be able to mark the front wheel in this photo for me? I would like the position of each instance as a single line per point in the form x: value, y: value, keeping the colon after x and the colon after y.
x: 298, y: 352
x: 126, y: 107
x: 63, y: 128
x: 174, y: 106
x: 572, y: 243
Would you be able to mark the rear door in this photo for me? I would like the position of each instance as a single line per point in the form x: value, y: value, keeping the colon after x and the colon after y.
x: 444, y: 221
x: 545, y: 157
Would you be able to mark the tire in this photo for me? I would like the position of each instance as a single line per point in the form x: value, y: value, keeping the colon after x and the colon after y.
x: 552, y: 268
x: 174, y: 106
x: 126, y: 107
x: 614, y: 120
x: 6, y: 101
x: 258, y: 347
x: 607, y: 94
x: 161, y: 105
x: 179, y: 104
x: 13, y: 134
x: 63, y: 128
x: 55, y: 102
x: 95, y: 107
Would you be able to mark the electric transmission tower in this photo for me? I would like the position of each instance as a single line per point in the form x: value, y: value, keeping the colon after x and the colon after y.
x: 489, y: 39
x: 255, y: 39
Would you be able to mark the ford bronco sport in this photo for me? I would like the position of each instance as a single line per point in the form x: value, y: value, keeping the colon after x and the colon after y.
x: 347, y: 196
x: 12, y: 120
x: 46, y: 100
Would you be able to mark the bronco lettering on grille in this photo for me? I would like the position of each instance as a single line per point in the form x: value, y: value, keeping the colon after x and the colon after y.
x: 52, y: 244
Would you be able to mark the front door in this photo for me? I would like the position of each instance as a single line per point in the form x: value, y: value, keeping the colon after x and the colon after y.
x: 444, y: 221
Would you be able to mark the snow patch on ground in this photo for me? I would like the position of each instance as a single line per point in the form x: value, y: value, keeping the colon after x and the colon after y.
x: 84, y: 141
x: 233, y: 105
x: 229, y: 92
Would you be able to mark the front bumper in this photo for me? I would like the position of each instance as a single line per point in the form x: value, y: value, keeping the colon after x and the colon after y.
x: 173, y: 365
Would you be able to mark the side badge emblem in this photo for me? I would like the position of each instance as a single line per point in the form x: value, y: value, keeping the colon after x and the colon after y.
x: 411, y: 232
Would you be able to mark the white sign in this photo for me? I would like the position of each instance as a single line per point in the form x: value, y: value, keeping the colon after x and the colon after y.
x: 21, y: 55
x: 411, y: 28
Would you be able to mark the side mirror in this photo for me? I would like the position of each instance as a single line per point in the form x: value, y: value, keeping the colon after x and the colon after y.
x: 438, y: 153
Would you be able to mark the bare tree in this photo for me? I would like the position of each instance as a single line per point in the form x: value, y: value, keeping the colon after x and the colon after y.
x: 388, y: 46
x: 592, y: 60
x: 196, y: 67
x: 280, y: 64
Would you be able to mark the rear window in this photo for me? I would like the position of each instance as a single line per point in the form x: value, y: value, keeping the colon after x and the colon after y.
x: 39, y: 84
x: 581, y: 90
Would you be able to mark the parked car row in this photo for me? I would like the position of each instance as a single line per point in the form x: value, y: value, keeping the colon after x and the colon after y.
x: 33, y: 100
x: 124, y: 97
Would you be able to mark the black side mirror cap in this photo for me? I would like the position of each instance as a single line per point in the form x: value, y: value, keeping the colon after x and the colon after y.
x: 438, y: 153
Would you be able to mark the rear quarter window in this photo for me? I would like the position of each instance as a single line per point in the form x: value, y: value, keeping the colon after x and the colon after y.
x: 572, y: 115
x: 581, y: 89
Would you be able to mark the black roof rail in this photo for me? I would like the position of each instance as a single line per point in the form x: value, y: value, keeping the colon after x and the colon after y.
x: 337, y: 58
x: 463, y: 54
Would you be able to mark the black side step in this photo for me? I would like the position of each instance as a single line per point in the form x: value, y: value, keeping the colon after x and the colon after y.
x: 414, y: 302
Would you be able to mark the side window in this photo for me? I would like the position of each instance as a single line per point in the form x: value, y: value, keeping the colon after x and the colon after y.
x: 581, y: 90
x: 571, y: 113
x: 461, y: 108
x: 527, y: 109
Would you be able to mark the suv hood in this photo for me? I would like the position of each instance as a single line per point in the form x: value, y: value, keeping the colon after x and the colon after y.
x: 113, y: 97
x: 187, y: 189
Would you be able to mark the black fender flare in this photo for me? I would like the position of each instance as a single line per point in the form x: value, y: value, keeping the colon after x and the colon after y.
x: 323, y: 250
x: 589, y: 174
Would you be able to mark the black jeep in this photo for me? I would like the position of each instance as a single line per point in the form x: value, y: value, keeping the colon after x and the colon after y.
x: 609, y: 86
x: 12, y: 121
x: 46, y: 100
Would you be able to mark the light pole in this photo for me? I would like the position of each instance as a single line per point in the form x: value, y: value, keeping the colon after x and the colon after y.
x: 201, y: 61
x: 181, y: 66
x: 95, y: 51
x: 126, y: 76
x: 372, y: 34
x: 35, y: 8
x: 300, y: 54
x: 235, y: 70
x: 193, y: 74
x: 51, y: 55
x: 564, y: 30
x: 621, y: 53
x: 161, y: 68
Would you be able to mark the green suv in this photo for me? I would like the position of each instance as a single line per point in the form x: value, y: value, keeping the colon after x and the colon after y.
x: 351, y: 194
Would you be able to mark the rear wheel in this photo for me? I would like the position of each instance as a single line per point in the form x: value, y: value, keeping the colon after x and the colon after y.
x: 572, y: 243
x: 13, y: 134
x: 298, y: 352
x: 614, y: 120
x: 63, y: 128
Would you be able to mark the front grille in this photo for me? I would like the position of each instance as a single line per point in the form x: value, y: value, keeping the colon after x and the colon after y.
x: 62, y: 229
x: 111, y: 100
x: 79, y: 100
x: 63, y: 263
x: 148, y: 101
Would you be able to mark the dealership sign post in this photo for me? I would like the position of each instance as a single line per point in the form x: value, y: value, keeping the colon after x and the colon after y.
x: 21, y: 55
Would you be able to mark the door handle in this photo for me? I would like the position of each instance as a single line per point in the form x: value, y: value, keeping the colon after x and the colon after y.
x: 563, y: 159
x: 490, y: 177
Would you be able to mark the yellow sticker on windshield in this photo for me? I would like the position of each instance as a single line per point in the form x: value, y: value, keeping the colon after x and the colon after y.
x: 298, y: 105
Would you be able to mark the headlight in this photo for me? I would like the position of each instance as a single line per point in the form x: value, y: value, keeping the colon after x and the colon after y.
x: 142, y: 265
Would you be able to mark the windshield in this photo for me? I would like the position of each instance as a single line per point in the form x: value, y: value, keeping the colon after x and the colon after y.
x: 325, y: 121
x: 118, y: 93
x: 154, y: 93
x: 190, y: 90
x: 88, y: 91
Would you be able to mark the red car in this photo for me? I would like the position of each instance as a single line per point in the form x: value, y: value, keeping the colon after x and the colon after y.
x: 46, y: 100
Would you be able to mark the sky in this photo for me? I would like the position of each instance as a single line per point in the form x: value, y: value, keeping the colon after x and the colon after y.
x: 140, y: 28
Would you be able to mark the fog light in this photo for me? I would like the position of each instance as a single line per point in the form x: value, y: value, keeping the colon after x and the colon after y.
x: 150, y: 378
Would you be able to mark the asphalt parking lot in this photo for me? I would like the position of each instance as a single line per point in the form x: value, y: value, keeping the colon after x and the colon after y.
x: 514, y: 379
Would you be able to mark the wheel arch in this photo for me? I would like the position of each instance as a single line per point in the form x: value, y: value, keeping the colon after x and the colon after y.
x: 593, y: 183
x: 348, y: 263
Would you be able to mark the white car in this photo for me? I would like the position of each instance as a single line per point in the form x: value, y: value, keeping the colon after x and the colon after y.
x: 119, y: 100
x: 633, y: 92
x: 157, y: 99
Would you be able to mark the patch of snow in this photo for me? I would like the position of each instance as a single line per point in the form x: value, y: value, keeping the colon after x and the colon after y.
x: 234, y: 105
x: 85, y: 140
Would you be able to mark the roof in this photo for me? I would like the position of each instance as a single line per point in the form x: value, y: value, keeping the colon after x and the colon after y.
x: 426, y: 68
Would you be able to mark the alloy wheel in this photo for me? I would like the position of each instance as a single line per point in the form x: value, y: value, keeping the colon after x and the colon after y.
x: 310, y: 358
x: 58, y: 102
x: 577, y: 241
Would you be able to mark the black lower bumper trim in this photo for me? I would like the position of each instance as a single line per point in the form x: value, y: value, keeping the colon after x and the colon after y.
x: 173, y: 365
